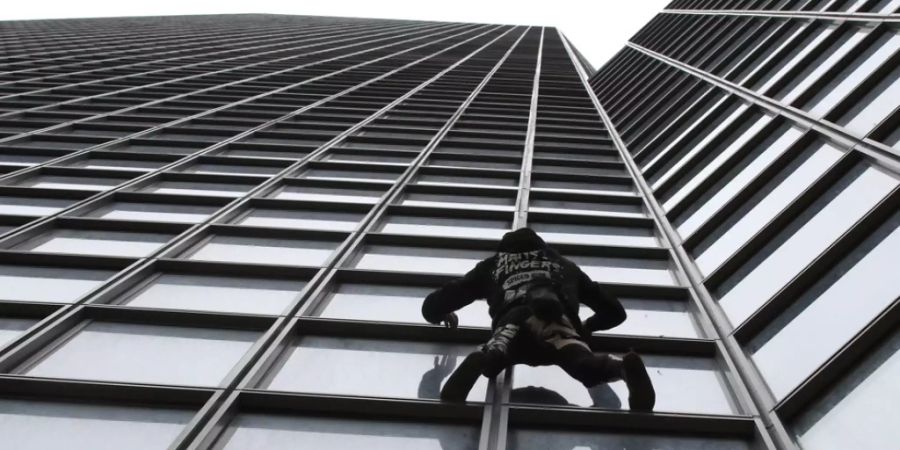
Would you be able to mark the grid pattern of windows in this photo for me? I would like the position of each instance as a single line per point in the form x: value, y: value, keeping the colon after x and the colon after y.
x: 764, y: 135
x: 217, y: 231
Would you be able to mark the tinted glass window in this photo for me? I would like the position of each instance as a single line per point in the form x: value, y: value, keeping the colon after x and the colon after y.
x: 168, y: 355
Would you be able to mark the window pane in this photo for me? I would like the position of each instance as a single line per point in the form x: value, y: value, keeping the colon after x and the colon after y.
x: 626, y: 270
x: 38, y: 425
x: 586, y: 206
x: 405, y: 369
x: 117, y: 164
x: 85, y: 242
x: 63, y: 182
x: 195, y: 188
x: 787, y: 254
x: 798, y: 50
x: 792, y: 347
x: 595, y: 234
x: 570, y: 169
x: 717, y: 157
x: 765, y: 205
x: 466, y: 180
x: 866, y: 63
x: 875, y: 106
x: 571, y: 440
x: 829, y: 58
x: 682, y: 384
x: 209, y: 293
x: 458, y: 201
x: 417, y: 259
x: 405, y: 158
x: 446, y: 226
x: 292, y: 252
x: 478, y: 164
x: 109, y: 351
x: 263, y: 432
x: 305, y: 219
x: 347, y: 174
x: 326, y: 194
x: 230, y: 169
x: 162, y: 212
x: 33, y: 206
x: 392, y: 304
x: 758, y: 159
x: 860, y: 411
x: 652, y: 317
x: 48, y: 284
x: 579, y: 186
x: 11, y: 328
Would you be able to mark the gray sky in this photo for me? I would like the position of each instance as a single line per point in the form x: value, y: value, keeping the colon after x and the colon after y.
x: 598, y: 28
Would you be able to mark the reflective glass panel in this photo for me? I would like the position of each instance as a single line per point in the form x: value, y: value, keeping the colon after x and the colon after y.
x: 345, y: 174
x: 458, y: 201
x: 292, y: 252
x: 765, y: 205
x: 232, y: 169
x: 77, y: 183
x: 652, y: 317
x: 137, y: 353
x: 829, y: 58
x: 390, y: 303
x: 752, y: 165
x: 10, y: 328
x: 117, y: 164
x: 580, y: 186
x: 418, y: 259
x: 32, y: 206
x: 682, y: 384
x: 586, y: 206
x: 595, y: 234
x: 626, y: 270
x: 445, y: 226
x: 867, y: 61
x: 859, y: 411
x: 717, y: 157
x: 327, y: 194
x: 406, y: 369
x: 161, y: 212
x: 210, y: 293
x: 48, y: 284
x: 572, y: 440
x: 875, y: 106
x: 787, y: 254
x: 263, y: 432
x: 88, y: 242
x: 302, y: 219
x: 466, y: 180
x: 793, y: 346
x: 39, y: 425
x: 196, y: 188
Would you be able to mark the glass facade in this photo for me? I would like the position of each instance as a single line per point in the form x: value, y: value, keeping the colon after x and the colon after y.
x: 766, y: 133
x: 217, y: 231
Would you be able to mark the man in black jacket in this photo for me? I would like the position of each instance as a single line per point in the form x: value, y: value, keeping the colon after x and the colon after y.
x: 533, y: 294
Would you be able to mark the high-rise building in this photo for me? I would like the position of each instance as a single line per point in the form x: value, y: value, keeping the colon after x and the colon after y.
x: 767, y: 139
x: 218, y: 230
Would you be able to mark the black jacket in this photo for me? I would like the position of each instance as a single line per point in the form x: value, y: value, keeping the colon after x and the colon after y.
x: 523, y: 255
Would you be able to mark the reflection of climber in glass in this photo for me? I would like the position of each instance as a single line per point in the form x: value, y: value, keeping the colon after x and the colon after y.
x: 533, y: 295
x: 602, y: 396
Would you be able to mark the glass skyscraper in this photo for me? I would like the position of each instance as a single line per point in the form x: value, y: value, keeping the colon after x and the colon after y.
x: 217, y: 231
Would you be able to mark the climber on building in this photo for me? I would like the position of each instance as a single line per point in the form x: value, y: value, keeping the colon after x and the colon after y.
x: 533, y: 294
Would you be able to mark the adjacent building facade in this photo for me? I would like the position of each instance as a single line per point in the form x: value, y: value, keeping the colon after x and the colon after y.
x: 217, y: 230
x: 767, y: 138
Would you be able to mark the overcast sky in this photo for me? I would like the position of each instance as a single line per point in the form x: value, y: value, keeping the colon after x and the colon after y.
x: 598, y: 28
